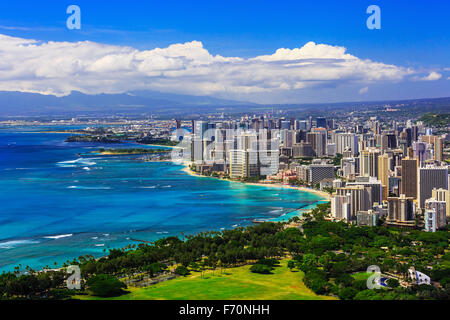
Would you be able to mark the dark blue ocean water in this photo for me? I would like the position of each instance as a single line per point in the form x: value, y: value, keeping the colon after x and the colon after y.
x: 56, y: 205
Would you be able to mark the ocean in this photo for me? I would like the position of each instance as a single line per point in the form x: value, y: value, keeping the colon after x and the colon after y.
x: 59, y: 202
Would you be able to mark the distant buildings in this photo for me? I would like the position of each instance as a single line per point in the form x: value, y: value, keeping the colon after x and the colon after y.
x: 341, y: 207
x: 409, y: 178
x: 368, y: 162
x: 383, y: 174
x: 387, y: 169
x: 439, y: 212
x: 243, y: 164
x: 319, y: 172
x: 400, y: 210
x: 429, y: 178
x: 373, y: 186
x: 347, y: 141
x: 430, y: 221
x: 367, y: 218
x: 442, y: 195
x: 349, y: 200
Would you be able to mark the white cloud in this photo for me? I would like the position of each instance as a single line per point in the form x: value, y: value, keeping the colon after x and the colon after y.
x: 432, y: 76
x: 364, y: 90
x: 89, y: 67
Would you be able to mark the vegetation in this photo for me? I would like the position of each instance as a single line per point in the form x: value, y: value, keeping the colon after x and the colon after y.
x: 132, y: 151
x: 327, y: 253
x: 182, y: 271
x: 104, y: 285
x: 261, y: 268
x: 337, y: 159
x: 156, y: 141
x: 237, y: 283
x: 436, y: 120
x: 93, y: 138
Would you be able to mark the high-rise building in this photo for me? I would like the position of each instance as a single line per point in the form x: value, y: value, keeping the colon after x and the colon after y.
x: 430, y: 177
x: 400, y: 209
x: 383, y: 174
x: 367, y: 218
x: 341, y: 207
x: 243, y: 163
x: 368, y: 163
x: 442, y: 195
x: 319, y: 172
x: 438, y: 145
x: 360, y: 198
x: 439, y: 207
x: 318, y: 140
x: 331, y: 149
x: 321, y: 122
x: 439, y: 149
x: 373, y: 186
x: 409, y: 178
x: 347, y: 141
x: 349, y: 167
x: 302, y: 149
x: 419, y: 151
x: 430, y: 220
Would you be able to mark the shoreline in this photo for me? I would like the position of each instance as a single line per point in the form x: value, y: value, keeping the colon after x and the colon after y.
x: 322, y: 194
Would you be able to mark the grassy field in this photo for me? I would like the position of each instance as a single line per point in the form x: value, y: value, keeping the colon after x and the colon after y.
x: 234, y: 284
x: 361, y: 275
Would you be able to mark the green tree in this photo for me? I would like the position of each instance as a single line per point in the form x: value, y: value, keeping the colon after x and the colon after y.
x: 261, y: 268
x: 104, y: 285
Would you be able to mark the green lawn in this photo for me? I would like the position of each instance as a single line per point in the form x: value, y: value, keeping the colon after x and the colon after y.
x: 235, y: 284
x: 361, y: 275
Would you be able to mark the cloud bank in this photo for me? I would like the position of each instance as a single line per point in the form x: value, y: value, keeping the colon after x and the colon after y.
x: 61, y: 67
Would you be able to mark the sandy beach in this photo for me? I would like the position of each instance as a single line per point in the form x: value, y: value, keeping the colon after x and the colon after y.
x: 322, y: 194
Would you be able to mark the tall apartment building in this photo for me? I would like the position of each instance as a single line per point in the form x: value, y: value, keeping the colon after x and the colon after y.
x: 318, y: 140
x: 383, y: 174
x: 429, y: 178
x: 409, y: 178
x: 438, y: 145
x: 359, y: 196
x: 349, y: 167
x: 400, y: 209
x: 303, y: 173
x: 302, y: 149
x: 243, y: 163
x: 442, y: 195
x: 367, y: 218
x: 341, y: 207
x: 439, y: 207
x: 373, y: 186
x: 430, y: 221
x: 439, y: 149
x: 319, y: 172
x: 368, y: 163
x: 347, y: 141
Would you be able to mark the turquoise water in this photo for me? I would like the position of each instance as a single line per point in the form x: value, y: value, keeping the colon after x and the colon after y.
x: 57, y: 205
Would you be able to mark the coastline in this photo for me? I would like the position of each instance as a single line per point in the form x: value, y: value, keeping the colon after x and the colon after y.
x: 322, y: 194
x: 326, y: 196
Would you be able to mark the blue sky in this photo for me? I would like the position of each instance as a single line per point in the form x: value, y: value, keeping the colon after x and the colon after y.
x: 414, y: 34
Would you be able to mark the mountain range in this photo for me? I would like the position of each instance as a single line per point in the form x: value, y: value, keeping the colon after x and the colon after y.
x: 23, y: 103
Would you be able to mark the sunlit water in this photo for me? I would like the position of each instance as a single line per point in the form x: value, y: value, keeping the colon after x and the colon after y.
x: 57, y: 205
